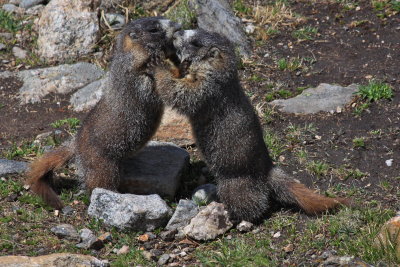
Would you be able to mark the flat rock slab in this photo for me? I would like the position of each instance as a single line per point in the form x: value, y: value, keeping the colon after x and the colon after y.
x: 156, y: 169
x: 87, y: 97
x: 128, y: 211
x: 56, y: 260
x: 217, y: 16
x: 62, y: 79
x: 325, y: 97
x: 12, y: 166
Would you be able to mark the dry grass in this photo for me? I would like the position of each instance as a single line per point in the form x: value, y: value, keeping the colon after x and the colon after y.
x: 271, y: 18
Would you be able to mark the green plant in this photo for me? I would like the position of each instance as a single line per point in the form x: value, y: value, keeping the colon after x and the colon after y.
x: 359, y: 109
x: 274, y: 144
x: 8, y: 22
x: 24, y: 150
x: 375, y: 90
x: 183, y: 14
x: 72, y: 123
x: 359, y: 142
x: 2, y: 106
x: 318, y: 168
x: 305, y: 33
x: 241, y: 8
x: 278, y: 94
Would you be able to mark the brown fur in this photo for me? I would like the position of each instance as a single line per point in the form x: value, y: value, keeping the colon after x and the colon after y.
x: 125, y: 118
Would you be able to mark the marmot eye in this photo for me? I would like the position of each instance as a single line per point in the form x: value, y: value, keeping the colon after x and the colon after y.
x: 196, y: 43
x: 153, y: 30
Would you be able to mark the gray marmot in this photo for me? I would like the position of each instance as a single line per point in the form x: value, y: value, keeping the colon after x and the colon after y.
x: 125, y: 118
x: 227, y: 130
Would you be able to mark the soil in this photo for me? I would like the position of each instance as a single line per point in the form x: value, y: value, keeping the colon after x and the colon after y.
x: 341, y: 53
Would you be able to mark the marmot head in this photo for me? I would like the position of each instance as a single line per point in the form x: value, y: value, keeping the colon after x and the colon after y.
x: 205, y: 55
x: 145, y: 41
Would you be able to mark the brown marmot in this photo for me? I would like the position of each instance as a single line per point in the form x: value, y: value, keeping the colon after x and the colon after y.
x: 125, y: 118
x: 227, y: 129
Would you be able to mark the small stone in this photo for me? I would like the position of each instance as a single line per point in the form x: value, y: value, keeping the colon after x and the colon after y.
x: 163, y: 259
x: 168, y: 235
x: 66, y: 231
x: 244, y: 226
x: 250, y: 28
x: 288, y: 248
x: 210, y: 222
x: 10, y: 8
x: 19, y: 53
x: 389, y: 162
x: 106, y: 237
x: 148, y: 255
x: 12, y: 198
x: 2, y: 47
x: 156, y: 252
x: 277, y: 234
x: 184, y: 212
x: 123, y: 250
x: 56, y: 213
x: 89, y: 240
x: 6, y: 35
x: 205, y: 194
x: 67, y: 210
x: 143, y: 238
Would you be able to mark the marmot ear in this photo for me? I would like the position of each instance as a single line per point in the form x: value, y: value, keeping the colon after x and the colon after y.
x: 214, y: 52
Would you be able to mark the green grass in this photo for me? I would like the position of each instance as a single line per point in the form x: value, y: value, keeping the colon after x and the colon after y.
x: 359, y: 142
x: 375, y: 90
x: 274, y: 145
x: 278, y: 94
x: 183, y: 14
x: 71, y: 123
x: 8, y: 22
x: 26, y: 149
x: 305, y: 33
x: 318, y: 168
x: 240, y: 7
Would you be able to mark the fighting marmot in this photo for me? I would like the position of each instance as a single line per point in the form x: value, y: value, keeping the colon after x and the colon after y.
x: 125, y: 118
x: 227, y: 130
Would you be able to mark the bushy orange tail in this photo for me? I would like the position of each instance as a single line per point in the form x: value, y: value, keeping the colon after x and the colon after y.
x: 40, y: 171
x: 313, y: 203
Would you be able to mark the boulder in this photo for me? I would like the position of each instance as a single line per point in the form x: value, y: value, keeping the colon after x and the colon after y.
x: 156, y: 169
x: 217, y: 16
x: 128, y: 211
x: 68, y: 29
x: 324, y: 97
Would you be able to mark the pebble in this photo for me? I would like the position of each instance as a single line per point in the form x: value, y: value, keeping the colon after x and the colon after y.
x: 244, y: 226
x: 123, y: 250
x: 19, y: 53
x: 67, y: 210
x: 163, y: 259
x: 66, y: 231
x: 2, y: 47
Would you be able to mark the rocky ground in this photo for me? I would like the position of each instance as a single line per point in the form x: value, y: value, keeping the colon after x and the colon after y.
x: 351, y: 149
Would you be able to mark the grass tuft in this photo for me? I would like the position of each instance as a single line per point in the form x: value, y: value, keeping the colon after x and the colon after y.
x: 375, y: 90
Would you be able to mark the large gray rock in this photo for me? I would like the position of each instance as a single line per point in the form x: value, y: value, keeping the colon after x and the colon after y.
x: 184, y: 212
x: 68, y: 29
x: 12, y: 166
x: 325, y: 97
x: 55, y: 260
x: 209, y: 223
x: 61, y: 79
x: 217, y: 16
x: 87, y: 97
x: 30, y: 3
x: 156, y: 169
x: 128, y: 211
x: 10, y: 8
